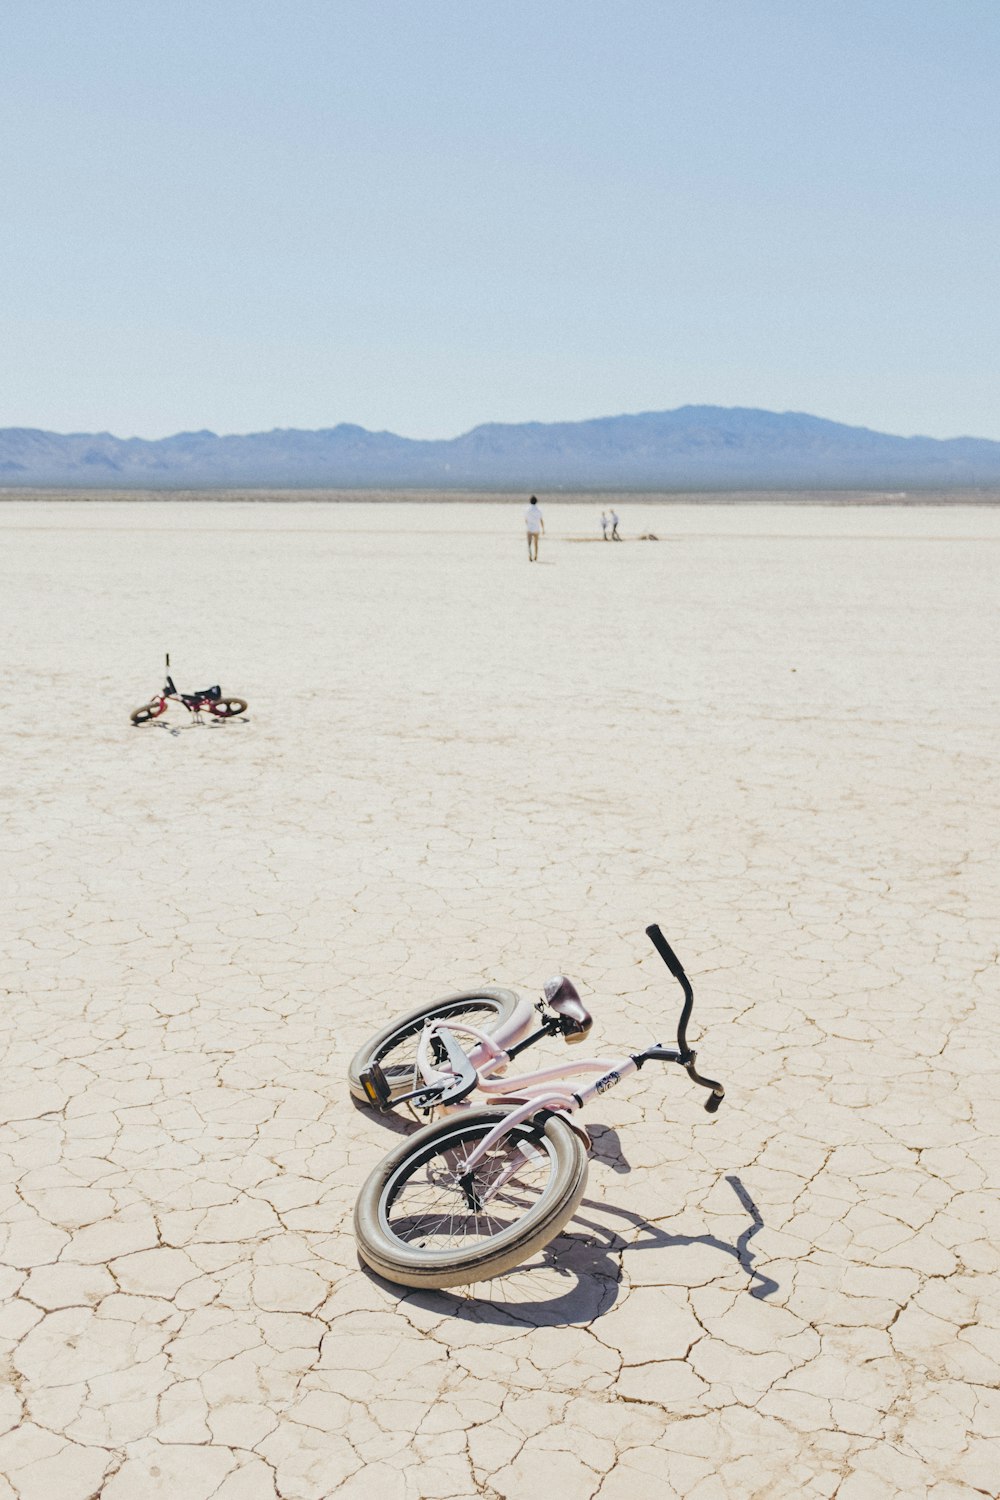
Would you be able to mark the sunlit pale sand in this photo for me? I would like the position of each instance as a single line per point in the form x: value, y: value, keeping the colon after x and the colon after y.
x: 774, y: 731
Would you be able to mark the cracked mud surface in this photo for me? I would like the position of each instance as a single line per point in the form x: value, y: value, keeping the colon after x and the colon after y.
x: 775, y: 733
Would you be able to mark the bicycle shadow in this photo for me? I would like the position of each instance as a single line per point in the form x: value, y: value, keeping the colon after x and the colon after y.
x: 606, y: 1147
x: 397, y: 1123
x: 193, y: 723
x: 593, y: 1260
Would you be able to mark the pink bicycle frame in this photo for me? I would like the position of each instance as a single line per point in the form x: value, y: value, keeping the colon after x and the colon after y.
x: 528, y: 1092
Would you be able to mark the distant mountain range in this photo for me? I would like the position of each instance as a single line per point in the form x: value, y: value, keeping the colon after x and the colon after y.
x: 692, y: 448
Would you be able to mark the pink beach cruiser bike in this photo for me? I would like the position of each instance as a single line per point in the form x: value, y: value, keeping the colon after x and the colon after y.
x: 482, y: 1189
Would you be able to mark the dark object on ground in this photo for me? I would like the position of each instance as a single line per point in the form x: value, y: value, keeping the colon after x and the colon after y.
x: 206, y: 698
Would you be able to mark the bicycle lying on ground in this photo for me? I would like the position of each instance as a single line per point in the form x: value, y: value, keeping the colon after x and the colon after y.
x: 195, y: 703
x: 473, y: 1194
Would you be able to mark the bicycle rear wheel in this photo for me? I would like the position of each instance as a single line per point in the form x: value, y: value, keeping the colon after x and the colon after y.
x: 417, y: 1224
x: 394, y: 1048
x: 227, y: 708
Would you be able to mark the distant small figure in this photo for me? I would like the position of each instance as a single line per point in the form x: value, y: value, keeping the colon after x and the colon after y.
x: 534, y: 524
x: 614, y: 527
x: 604, y: 525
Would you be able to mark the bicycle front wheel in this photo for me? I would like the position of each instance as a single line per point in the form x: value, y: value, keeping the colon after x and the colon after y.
x: 151, y: 710
x: 417, y: 1223
x: 394, y: 1048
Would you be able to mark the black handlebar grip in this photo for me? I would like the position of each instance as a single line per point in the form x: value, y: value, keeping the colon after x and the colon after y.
x: 665, y: 951
x: 712, y: 1103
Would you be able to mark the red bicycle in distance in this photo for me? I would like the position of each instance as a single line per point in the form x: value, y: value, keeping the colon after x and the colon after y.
x: 209, y: 700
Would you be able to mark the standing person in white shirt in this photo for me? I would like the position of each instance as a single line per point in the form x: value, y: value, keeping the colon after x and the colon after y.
x: 604, y: 525
x: 534, y: 524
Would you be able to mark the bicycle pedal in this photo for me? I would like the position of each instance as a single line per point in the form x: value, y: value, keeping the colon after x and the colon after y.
x: 376, y: 1087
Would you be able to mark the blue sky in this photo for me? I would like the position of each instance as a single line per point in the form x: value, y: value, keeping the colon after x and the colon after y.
x: 419, y: 216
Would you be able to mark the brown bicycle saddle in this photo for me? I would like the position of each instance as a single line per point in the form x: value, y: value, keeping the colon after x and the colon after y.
x: 562, y: 995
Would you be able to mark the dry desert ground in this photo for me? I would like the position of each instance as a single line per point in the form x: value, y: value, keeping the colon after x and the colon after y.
x: 774, y: 731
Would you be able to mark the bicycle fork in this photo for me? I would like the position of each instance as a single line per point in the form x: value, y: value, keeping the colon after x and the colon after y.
x: 552, y: 1102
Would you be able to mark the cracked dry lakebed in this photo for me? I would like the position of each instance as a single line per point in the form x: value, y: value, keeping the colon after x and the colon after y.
x: 774, y: 732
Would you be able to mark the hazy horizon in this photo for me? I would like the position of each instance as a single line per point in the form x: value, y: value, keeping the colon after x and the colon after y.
x: 485, y: 422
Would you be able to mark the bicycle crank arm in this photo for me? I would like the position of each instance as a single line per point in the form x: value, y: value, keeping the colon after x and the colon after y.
x: 378, y: 1090
x: 447, y: 1090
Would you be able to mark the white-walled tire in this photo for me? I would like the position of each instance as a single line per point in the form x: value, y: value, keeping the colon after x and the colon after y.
x: 415, y: 1226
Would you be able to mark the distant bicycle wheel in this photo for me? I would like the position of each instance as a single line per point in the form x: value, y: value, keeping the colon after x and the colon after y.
x: 227, y: 708
x: 394, y: 1048
x: 151, y: 710
x: 423, y: 1219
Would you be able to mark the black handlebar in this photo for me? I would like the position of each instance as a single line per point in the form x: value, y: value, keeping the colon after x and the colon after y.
x: 665, y: 951
x: 686, y: 1054
x: 676, y: 968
